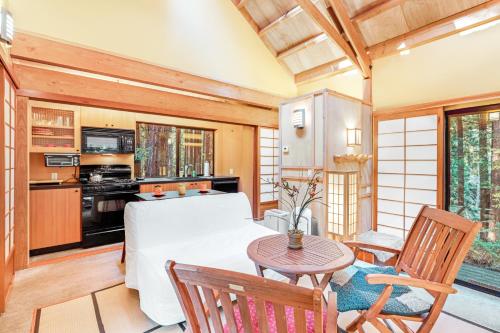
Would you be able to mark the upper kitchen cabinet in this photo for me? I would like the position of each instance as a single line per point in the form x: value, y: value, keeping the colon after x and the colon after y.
x: 55, y: 128
x: 95, y: 117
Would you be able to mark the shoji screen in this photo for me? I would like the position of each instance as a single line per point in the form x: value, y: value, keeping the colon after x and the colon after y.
x: 9, y: 123
x: 407, y: 170
x: 269, y: 163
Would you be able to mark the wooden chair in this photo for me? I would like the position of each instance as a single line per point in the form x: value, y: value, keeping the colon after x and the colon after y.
x: 432, y: 255
x: 267, y: 304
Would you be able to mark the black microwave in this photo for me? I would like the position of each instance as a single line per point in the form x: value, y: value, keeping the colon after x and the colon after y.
x: 97, y: 140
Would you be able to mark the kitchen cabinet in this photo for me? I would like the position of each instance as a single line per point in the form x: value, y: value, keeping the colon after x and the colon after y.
x: 55, y: 217
x: 54, y: 127
x: 174, y: 186
x: 96, y: 117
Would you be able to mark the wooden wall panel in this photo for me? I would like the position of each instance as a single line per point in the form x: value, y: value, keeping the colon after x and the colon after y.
x: 21, y: 255
x: 46, y: 51
x: 62, y: 87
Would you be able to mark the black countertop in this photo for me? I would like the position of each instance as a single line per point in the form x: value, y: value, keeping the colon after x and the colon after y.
x: 175, y: 194
x: 164, y: 180
x: 54, y: 186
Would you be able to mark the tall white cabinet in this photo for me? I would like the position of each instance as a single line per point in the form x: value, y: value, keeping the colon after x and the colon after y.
x: 327, y: 116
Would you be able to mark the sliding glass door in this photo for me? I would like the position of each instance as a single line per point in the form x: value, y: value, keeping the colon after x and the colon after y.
x: 473, y: 188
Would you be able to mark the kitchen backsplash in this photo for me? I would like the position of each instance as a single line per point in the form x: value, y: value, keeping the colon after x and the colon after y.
x: 38, y: 170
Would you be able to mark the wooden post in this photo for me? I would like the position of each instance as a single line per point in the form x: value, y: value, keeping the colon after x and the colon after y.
x: 21, y: 235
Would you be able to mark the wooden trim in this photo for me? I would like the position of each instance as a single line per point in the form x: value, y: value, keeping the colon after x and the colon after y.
x: 21, y: 226
x: 242, y: 4
x: 375, y: 8
x: 353, y: 34
x: 6, y: 61
x: 78, y: 255
x: 51, y: 52
x: 300, y: 45
x: 431, y: 32
x: 330, y: 30
x: 62, y: 87
x: 439, y: 103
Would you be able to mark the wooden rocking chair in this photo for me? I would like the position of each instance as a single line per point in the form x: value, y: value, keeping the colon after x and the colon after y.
x: 260, y: 303
x: 432, y: 255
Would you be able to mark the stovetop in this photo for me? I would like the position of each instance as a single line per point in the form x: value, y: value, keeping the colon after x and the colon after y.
x: 115, y: 178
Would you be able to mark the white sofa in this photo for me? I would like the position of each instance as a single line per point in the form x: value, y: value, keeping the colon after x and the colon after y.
x: 211, y: 231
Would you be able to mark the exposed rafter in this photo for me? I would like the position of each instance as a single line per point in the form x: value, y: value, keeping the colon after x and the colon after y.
x: 317, y: 72
x: 302, y: 45
x: 353, y: 34
x: 242, y: 3
x: 375, y: 8
x: 330, y: 30
x: 436, y: 30
x: 288, y: 15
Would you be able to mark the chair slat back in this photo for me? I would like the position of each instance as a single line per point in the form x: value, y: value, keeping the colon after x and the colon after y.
x: 193, y: 284
x: 437, y: 245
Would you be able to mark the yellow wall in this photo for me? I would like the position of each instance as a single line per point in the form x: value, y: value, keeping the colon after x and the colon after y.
x: 456, y: 66
x: 348, y: 83
x: 204, y: 37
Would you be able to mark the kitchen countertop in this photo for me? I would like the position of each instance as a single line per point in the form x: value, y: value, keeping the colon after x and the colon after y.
x: 175, y: 194
x: 164, y: 180
x: 54, y: 186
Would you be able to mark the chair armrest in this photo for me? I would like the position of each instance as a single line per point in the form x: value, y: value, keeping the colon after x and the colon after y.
x: 331, y: 313
x: 355, y: 244
x: 411, y: 282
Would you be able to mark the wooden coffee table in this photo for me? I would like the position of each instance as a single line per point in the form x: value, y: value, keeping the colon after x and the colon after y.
x: 318, y: 256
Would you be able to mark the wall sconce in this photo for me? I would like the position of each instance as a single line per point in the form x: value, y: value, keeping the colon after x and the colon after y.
x: 298, y: 118
x: 353, y: 136
x: 342, y: 202
x: 6, y: 26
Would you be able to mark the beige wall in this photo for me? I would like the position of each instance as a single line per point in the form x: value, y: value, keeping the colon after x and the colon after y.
x: 204, y: 37
x: 348, y: 83
x: 456, y: 66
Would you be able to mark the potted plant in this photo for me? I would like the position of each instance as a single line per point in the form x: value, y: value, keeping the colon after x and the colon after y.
x: 297, y: 199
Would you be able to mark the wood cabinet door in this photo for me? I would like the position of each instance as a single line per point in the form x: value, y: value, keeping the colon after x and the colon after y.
x: 197, y: 185
x: 54, y: 127
x: 55, y: 217
x: 105, y: 118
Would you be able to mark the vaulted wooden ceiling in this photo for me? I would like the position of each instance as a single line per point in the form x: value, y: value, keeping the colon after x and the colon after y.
x: 316, y: 38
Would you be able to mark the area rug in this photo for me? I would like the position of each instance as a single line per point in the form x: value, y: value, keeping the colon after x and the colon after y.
x: 116, y: 310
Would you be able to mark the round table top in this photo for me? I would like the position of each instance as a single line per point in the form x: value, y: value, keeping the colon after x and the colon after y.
x: 319, y: 255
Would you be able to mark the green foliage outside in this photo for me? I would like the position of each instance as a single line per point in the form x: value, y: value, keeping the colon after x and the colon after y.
x: 474, y: 180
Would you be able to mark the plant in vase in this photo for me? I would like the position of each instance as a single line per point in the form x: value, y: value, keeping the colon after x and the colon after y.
x: 297, y: 200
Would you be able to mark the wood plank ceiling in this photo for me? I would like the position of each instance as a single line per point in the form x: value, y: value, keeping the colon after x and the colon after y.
x: 317, y: 38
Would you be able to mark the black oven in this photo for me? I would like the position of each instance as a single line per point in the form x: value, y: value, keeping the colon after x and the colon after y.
x: 102, y: 217
x: 107, y: 141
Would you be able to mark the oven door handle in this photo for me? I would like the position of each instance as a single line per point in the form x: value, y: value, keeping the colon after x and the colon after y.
x: 109, y: 193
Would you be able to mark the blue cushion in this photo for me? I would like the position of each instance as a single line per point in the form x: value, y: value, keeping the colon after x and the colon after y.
x: 354, y: 293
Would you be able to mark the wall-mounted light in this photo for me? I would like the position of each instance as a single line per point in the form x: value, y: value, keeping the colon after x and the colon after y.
x: 298, y: 118
x: 353, y: 136
x: 6, y: 26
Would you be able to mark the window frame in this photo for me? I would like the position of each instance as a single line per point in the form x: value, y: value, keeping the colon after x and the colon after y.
x: 177, y: 142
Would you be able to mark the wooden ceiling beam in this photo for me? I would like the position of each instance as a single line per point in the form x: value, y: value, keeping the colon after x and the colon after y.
x: 353, y: 34
x: 442, y: 28
x: 319, y: 71
x: 55, y: 53
x: 57, y: 86
x: 288, y: 15
x: 241, y: 4
x: 301, y: 45
x: 330, y: 30
x: 375, y: 8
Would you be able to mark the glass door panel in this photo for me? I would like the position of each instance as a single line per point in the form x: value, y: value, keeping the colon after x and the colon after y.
x: 473, y: 187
